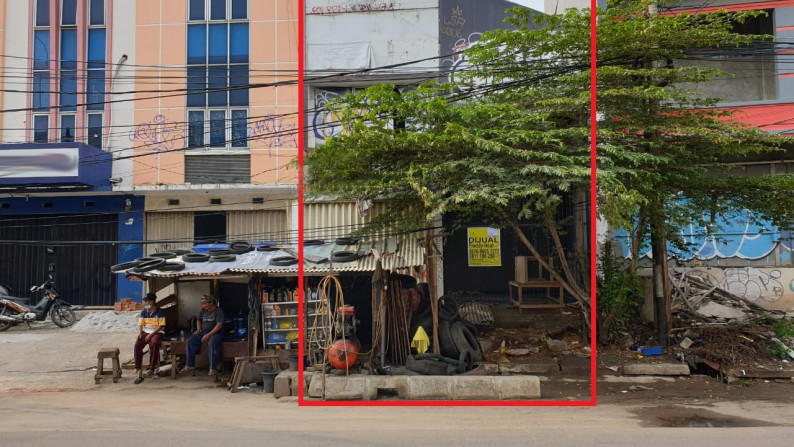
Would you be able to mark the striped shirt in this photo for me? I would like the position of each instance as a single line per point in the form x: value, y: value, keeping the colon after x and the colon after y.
x: 151, y: 320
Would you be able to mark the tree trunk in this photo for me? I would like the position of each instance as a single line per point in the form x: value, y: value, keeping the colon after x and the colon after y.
x: 661, y: 284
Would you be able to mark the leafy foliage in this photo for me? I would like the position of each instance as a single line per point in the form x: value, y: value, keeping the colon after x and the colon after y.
x: 618, y: 292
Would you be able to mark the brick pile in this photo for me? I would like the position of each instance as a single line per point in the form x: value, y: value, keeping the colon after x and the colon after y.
x: 127, y: 304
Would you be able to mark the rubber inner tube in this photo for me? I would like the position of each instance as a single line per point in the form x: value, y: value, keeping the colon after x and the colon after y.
x: 346, y: 241
x: 344, y: 256
x: 124, y: 266
x: 196, y: 257
x: 282, y: 261
x: 218, y: 251
x: 313, y: 242
x: 172, y: 266
x: 149, y: 265
x: 164, y: 255
x: 240, y: 247
x: 223, y: 258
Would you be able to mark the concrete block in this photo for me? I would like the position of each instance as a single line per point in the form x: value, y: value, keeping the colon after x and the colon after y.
x: 474, y: 388
x: 281, y: 386
x: 428, y: 388
x: 338, y: 388
x: 518, y: 387
x: 528, y: 368
x: 656, y: 369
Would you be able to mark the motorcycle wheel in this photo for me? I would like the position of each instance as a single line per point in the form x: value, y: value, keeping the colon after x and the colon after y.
x: 5, y: 326
x: 62, y: 316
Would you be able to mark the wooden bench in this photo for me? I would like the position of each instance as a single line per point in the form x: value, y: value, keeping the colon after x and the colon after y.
x: 540, y: 279
x: 230, y: 350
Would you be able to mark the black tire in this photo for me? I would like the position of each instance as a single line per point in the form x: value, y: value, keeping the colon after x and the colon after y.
x: 164, y: 255
x: 146, y: 266
x: 218, y: 252
x: 346, y: 241
x: 196, y: 257
x: 465, y: 341
x: 124, y: 266
x: 470, y: 326
x: 5, y: 326
x: 426, y: 321
x: 223, y: 258
x: 344, y: 256
x: 447, y: 309
x: 62, y: 316
x: 268, y: 247
x: 180, y: 251
x: 427, y: 367
x: 445, y: 340
x: 240, y: 247
x: 283, y: 261
x: 313, y: 242
x: 465, y: 362
x: 172, y: 266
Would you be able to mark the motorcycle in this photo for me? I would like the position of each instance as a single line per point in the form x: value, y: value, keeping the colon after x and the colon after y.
x: 14, y: 311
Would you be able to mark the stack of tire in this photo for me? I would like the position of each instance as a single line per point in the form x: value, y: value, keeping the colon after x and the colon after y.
x: 164, y: 261
x: 457, y: 338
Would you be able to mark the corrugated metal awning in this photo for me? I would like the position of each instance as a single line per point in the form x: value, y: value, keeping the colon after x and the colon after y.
x: 394, y: 253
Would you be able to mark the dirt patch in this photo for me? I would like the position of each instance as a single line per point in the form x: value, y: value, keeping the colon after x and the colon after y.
x: 673, y: 416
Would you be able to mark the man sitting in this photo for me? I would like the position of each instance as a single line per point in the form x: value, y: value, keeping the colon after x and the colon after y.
x: 208, y: 330
x: 151, y: 323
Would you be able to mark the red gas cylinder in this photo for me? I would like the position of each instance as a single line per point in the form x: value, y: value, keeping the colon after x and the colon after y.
x: 343, y: 353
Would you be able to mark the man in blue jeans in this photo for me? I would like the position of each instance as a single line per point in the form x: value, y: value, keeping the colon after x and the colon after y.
x: 208, y: 330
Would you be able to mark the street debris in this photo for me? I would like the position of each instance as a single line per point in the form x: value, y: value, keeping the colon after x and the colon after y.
x: 477, y: 313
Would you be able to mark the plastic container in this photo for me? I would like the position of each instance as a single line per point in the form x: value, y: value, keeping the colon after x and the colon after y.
x: 652, y: 351
x: 293, y: 362
x: 269, y: 380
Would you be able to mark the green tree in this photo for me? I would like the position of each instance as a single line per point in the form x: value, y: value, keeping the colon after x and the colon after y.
x: 666, y: 154
x: 506, y: 140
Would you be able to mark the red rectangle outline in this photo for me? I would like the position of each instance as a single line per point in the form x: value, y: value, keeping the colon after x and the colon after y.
x: 593, y: 234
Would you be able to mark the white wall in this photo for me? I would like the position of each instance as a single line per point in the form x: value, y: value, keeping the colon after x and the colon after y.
x: 559, y: 6
x: 16, y: 71
x: 122, y: 113
x: 340, y: 35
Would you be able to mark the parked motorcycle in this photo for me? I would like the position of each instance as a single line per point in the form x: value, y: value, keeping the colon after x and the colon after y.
x: 14, y: 311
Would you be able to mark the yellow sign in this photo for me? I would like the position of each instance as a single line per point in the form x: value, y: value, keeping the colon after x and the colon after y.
x: 484, y: 248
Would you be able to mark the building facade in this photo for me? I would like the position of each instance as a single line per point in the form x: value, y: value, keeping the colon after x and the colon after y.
x: 179, y: 119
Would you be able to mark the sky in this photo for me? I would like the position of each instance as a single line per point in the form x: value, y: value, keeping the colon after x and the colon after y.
x: 537, y: 5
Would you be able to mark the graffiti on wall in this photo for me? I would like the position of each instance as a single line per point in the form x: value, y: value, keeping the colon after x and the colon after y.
x: 326, y: 121
x: 758, y: 285
x: 739, y: 237
x: 452, y: 24
x: 159, y: 134
x: 274, y: 131
x: 357, y: 7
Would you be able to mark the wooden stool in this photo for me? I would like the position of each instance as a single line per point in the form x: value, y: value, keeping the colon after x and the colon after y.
x: 115, y: 374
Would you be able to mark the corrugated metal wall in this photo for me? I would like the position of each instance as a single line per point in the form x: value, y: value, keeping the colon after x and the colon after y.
x: 335, y: 219
x: 81, y: 272
x: 258, y: 226
x: 169, y: 226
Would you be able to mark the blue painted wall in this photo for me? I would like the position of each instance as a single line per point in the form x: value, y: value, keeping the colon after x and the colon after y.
x: 130, y: 224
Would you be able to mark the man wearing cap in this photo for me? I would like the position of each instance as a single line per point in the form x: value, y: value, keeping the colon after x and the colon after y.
x: 151, y: 323
x: 208, y: 330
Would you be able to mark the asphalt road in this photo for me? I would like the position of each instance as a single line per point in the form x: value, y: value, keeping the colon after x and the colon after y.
x: 198, y: 417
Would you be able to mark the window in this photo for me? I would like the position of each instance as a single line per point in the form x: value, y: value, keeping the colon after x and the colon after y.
x: 41, y: 71
x: 67, y: 128
x: 95, y: 130
x: 71, y: 76
x: 217, y: 73
x: 41, y: 128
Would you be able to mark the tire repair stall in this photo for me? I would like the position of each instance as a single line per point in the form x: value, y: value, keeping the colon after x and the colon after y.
x: 360, y: 295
